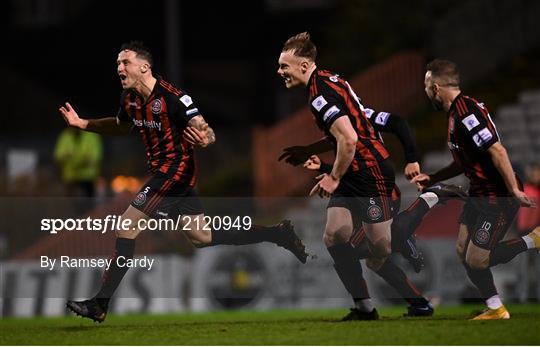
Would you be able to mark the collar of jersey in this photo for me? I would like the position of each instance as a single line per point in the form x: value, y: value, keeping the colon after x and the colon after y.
x: 154, y: 93
x: 453, y: 105
x: 311, y: 77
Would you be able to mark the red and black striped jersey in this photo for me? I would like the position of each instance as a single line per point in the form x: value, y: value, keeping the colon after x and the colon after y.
x: 161, y: 121
x: 331, y: 97
x: 470, y: 133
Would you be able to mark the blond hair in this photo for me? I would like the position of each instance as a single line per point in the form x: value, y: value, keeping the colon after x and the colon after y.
x: 301, y: 46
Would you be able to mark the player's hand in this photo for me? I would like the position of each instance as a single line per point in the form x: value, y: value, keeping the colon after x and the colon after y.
x: 71, y: 117
x: 313, y: 163
x: 523, y: 199
x: 421, y: 181
x: 295, y: 155
x: 325, y: 187
x: 412, y: 170
x: 197, y: 137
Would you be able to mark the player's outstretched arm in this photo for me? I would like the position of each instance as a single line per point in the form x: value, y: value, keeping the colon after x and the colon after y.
x: 107, y: 125
x: 199, y: 133
x: 424, y: 180
x: 500, y: 159
x: 297, y: 155
x: 72, y: 118
x: 400, y: 127
x: 394, y: 124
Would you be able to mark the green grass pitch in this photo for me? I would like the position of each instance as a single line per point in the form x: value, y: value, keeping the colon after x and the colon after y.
x: 449, y: 326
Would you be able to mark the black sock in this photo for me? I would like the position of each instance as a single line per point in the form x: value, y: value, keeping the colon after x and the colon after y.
x: 483, y: 280
x: 395, y: 277
x: 255, y: 234
x: 505, y: 251
x: 113, y: 276
x: 406, y: 222
x: 349, y: 270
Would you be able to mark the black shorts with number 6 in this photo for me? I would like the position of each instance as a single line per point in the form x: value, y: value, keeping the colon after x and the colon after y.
x: 163, y: 197
x: 367, y: 193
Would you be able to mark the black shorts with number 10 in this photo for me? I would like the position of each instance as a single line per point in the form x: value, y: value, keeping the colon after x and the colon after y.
x: 367, y: 193
x: 163, y: 197
x: 488, y: 219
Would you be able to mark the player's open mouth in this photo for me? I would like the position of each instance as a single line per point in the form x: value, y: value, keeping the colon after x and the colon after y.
x: 287, y: 79
x: 123, y: 77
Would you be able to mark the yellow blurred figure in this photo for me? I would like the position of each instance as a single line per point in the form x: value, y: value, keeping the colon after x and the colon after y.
x: 79, y: 155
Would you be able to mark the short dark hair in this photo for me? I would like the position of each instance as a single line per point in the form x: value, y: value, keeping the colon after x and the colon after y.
x: 301, y: 46
x: 140, y: 50
x: 445, y: 71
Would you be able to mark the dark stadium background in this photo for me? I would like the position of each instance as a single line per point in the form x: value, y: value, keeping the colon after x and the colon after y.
x: 225, y: 54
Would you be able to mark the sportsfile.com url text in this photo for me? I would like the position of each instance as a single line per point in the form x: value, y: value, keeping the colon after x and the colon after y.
x: 117, y: 223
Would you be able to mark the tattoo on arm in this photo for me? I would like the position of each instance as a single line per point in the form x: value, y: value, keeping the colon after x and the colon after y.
x: 211, y: 135
x: 199, y: 123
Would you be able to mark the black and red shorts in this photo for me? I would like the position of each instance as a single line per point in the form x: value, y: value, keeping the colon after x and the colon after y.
x: 488, y: 219
x: 161, y: 196
x: 359, y: 234
x: 367, y: 193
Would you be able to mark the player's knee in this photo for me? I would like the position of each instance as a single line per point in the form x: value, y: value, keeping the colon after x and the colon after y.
x: 328, y: 239
x: 382, y: 248
x: 127, y: 234
x: 201, y: 240
x: 387, y: 248
x: 332, y: 236
x: 477, y: 261
x: 460, y: 251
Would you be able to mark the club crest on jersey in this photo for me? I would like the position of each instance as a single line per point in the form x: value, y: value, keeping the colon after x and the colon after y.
x: 334, y: 78
x: 140, y: 199
x: 156, y: 106
x: 374, y: 212
x: 451, y: 124
x: 482, y: 236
